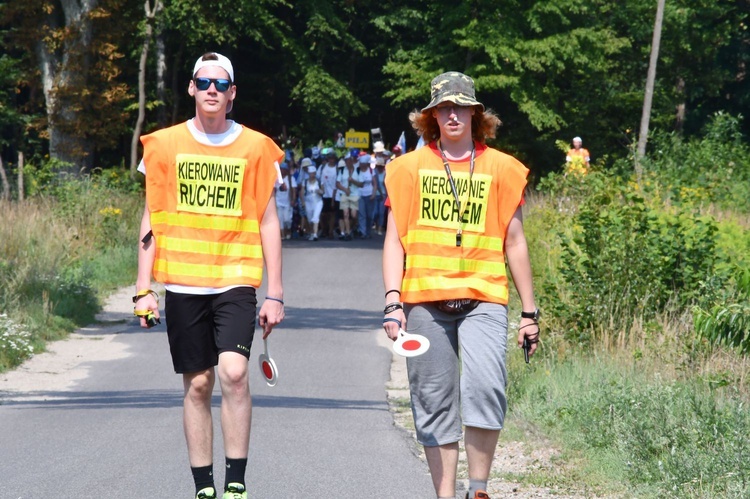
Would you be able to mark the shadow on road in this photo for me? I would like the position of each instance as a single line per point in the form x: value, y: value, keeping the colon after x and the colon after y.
x: 161, y: 399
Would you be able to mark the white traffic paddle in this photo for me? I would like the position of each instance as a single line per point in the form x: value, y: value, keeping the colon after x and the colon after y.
x: 268, y: 366
x: 410, y: 345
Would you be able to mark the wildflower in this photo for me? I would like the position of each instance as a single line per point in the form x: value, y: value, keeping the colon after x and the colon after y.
x: 110, y: 211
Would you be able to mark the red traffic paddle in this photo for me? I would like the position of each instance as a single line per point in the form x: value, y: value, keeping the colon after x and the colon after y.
x: 268, y: 366
x: 410, y: 345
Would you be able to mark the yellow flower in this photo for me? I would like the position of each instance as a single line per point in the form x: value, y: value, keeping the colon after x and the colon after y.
x: 110, y: 211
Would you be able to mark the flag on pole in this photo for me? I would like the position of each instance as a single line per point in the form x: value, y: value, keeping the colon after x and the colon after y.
x: 420, y: 143
x: 402, y: 142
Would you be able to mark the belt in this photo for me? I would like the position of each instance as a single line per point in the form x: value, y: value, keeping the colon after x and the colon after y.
x: 456, y: 306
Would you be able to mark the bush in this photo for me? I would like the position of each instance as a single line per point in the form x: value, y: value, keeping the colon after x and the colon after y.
x: 15, y: 342
x: 728, y: 321
x: 78, y: 242
x: 624, y: 258
x: 712, y: 169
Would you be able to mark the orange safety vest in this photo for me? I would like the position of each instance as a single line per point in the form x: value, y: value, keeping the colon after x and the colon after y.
x: 427, y: 218
x: 206, y: 203
x: 584, y: 153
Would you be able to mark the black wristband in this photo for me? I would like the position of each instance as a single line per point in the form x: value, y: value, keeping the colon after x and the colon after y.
x: 275, y: 299
x: 392, y: 307
x: 531, y: 315
x: 392, y: 291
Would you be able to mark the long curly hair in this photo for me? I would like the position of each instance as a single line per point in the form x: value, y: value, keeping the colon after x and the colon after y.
x: 483, y: 125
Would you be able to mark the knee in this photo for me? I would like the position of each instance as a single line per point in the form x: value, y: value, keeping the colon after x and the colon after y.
x: 198, y: 387
x: 233, y: 376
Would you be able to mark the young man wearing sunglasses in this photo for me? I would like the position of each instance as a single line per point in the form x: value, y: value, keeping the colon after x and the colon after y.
x: 209, y: 226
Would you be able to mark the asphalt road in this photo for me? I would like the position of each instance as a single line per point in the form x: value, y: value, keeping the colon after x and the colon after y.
x: 324, y: 431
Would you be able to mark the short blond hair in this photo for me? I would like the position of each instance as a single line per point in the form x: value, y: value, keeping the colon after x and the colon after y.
x: 484, y: 125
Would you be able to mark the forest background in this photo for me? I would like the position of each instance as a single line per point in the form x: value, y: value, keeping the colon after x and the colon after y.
x: 642, y: 266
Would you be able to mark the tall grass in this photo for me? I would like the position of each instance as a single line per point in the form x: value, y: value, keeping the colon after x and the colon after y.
x: 640, y: 404
x: 60, y: 251
x: 639, y: 433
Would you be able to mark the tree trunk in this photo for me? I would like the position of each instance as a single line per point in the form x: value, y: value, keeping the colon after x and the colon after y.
x: 150, y: 13
x: 176, y: 88
x: 679, y: 122
x: 64, y: 73
x: 4, y: 178
x: 161, y: 84
x: 20, y: 176
x: 650, y: 80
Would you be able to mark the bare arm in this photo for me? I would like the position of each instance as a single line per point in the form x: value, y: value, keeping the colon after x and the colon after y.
x: 517, y: 251
x: 393, y: 275
x: 146, y: 256
x: 271, y: 311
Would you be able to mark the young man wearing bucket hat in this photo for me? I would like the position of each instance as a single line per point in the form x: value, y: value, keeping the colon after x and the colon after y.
x: 455, y: 217
x: 209, y: 226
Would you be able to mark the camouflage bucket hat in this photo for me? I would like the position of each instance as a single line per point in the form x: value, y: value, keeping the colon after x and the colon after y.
x: 453, y: 87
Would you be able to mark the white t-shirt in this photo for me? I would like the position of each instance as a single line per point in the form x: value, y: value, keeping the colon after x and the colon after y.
x: 343, y: 179
x: 327, y: 179
x: 283, y: 198
x: 218, y: 140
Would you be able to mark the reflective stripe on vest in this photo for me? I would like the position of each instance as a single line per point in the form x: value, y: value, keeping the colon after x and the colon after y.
x: 435, y: 266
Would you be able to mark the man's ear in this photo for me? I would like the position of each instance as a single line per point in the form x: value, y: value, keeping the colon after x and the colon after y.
x: 230, y: 105
x: 191, y: 88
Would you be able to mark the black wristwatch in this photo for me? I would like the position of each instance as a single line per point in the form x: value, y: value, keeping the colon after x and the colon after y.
x: 531, y: 315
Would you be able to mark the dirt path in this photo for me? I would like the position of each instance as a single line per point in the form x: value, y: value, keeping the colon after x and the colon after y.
x: 67, y: 361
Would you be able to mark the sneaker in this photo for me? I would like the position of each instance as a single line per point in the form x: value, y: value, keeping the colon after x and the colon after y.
x: 235, y: 491
x: 207, y: 493
x: 480, y: 494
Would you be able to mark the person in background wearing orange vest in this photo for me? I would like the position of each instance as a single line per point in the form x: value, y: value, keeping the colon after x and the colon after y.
x: 578, y: 158
x: 455, y: 217
x: 209, y: 225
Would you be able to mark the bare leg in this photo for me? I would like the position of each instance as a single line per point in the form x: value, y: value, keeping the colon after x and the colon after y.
x: 442, y: 461
x: 236, y: 405
x: 480, y: 449
x: 199, y: 430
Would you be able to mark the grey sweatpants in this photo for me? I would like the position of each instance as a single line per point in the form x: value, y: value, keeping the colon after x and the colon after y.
x: 448, y: 390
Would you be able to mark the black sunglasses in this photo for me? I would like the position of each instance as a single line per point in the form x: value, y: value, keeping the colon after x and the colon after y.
x: 221, y: 84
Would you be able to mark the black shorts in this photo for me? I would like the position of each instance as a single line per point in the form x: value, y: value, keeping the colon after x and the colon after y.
x: 200, y: 327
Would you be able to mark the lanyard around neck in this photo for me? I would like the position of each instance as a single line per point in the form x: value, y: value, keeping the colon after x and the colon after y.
x: 461, y: 209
